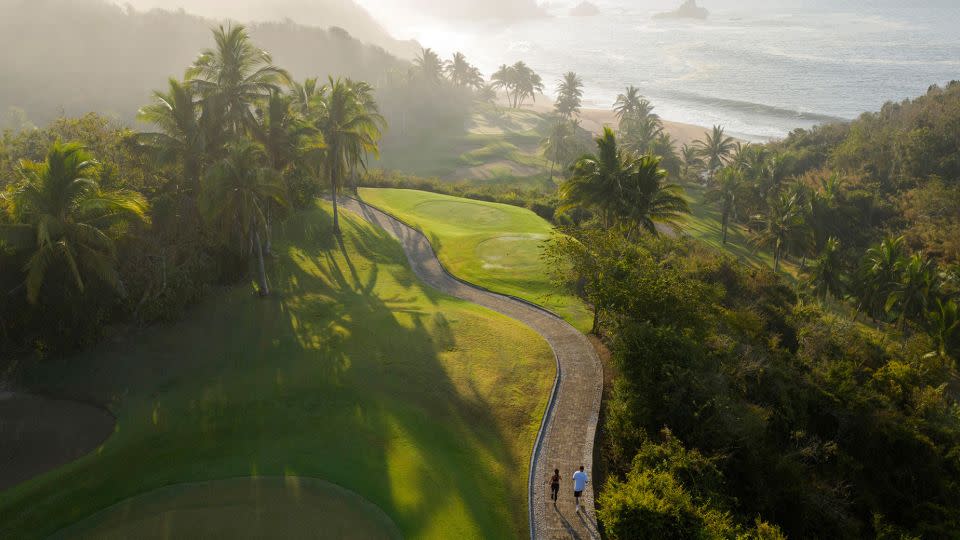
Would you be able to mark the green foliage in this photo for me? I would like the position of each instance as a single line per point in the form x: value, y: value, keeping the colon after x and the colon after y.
x: 806, y: 420
x: 625, y: 191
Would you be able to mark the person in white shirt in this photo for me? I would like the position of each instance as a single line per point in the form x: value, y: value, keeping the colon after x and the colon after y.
x: 579, y: 483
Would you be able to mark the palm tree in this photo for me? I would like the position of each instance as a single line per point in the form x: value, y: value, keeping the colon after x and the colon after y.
x: 235, y: 196
x: 647, y: 198
x: 303, y: 93
x: 504, y: 79
x: 691, y: 162
x: 640, y: 134
x: 462, y: 74
x: 346, y: 117
x: 632, y: 106
x: 559, y: 144
x: 622, y: 189
x: 235, y: 75
x: 182, y: 139
x: 917, y: 285
x: 71, y: 219
x: 429, y: 66
x: 519, y: 82
x: 943, y: 322
x: 595, y: 180
x: 716, y: 149
x: 279, y: 131
x: 782, y: 224
x: 826, y: 274
x: 725, y: 193
x: 528, y: 84
x: 569, y: 95
x: 880, y: 272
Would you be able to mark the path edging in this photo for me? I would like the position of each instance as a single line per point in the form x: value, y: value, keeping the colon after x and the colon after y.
x: 548, y: 411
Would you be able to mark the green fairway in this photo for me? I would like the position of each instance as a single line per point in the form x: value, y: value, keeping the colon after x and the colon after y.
x: 353, y: 372
x: 240, y: 508
x: 497, y: 145
x: 492, y: 245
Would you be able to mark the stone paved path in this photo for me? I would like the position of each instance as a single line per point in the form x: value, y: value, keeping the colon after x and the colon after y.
x: 570, y: 423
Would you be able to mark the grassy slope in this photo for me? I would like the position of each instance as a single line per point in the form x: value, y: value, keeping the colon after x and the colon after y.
x: 355, y: 373
x: 704, y: 224
x: 493, y: 245
x: 499, y: 145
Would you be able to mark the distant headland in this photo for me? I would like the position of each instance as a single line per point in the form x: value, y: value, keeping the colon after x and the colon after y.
x: 689, y: 10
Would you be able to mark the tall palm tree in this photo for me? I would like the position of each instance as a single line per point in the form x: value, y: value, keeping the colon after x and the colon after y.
x: 782, y: 224
x: 647, y: 198
x: 726, y: 192
x: 691, y: 161
x: 234, y: 75
x: 716, y: 149
x: 595, y: 180
x: 235, y: 196
x: 462, y: 74
x: 527, y: 85
x: 182, y: 139
x: 569, y: 95
x: 826, y: 273
x: 429, y: 66
x: 519, y: 82
x: 911, y: 297
x: 504, y: 79
x: 624, y: 190
x: 351, y: 127
x: 632, y: 106
x: 559, y: 144
x: 70, y: 219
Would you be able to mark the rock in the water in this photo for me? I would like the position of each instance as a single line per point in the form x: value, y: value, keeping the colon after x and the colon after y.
x: 689, y: 10
x: 585, y: 9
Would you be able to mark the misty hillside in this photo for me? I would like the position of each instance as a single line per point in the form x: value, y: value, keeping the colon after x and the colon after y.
x: 346, y: 14
x: 77, y: 56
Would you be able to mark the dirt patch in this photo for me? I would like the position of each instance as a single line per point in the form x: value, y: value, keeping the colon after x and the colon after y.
x: 38, y: 434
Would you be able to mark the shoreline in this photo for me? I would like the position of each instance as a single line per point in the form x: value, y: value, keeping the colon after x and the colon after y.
x: 594, y: 120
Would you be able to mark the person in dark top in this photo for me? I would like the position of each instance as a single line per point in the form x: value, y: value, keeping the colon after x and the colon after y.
x: 555, y: 485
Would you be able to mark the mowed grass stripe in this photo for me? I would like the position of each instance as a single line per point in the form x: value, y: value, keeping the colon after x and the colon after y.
x: 354, y: 373
x: 496, y: 246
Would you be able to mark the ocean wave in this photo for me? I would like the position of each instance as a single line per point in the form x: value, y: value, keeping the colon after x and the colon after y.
x: 747, y: 107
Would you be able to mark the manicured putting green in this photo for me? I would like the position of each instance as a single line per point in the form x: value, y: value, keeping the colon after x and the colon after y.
x: 496, y: 246
x: 352, y: 372
x: 291, y: 508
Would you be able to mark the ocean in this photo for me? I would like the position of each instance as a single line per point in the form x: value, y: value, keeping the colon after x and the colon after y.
x: 760, y: 69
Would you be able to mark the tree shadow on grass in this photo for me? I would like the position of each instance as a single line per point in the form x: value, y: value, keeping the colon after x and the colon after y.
x: 338, y: 376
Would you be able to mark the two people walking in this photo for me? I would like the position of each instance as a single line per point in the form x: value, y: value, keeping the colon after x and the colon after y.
x: 579, y: 484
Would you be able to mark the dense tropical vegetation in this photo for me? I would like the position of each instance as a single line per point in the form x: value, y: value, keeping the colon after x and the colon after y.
x: 744, y: 405
x: 102, y: 224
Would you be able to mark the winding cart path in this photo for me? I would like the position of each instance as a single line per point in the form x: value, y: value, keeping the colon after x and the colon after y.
x: 569, y: 425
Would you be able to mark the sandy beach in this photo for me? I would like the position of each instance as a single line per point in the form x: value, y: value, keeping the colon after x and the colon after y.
x: 595, y: 119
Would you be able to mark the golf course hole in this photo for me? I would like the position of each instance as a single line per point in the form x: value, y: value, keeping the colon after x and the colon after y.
x: 520, y: 252
x: 255, y: 507
x: 38, y: 434
x: 463, y: 212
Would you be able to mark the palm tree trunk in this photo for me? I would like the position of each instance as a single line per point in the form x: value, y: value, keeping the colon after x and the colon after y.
x: 268, y: 230
x: 336, y: 211
x: 726, y: 220
x: 264, y: 287
x: 596, y: 321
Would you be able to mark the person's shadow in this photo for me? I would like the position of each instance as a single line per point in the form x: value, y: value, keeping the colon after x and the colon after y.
x: 566, y: 524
